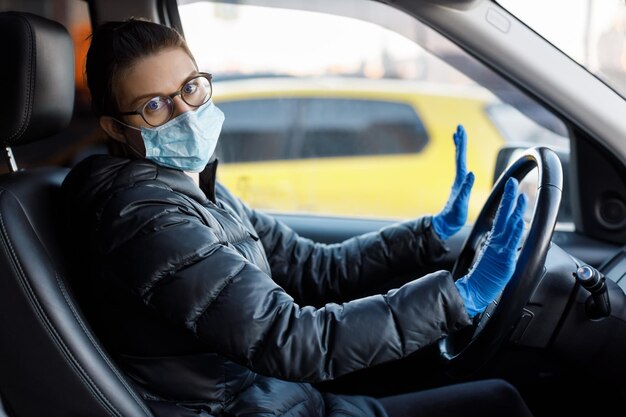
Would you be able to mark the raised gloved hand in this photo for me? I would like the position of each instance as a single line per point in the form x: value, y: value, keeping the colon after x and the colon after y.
x: 454, y: 215
x: 496, y: 261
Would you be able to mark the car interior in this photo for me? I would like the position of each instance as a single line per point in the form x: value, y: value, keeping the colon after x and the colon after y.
x: 553, y: 334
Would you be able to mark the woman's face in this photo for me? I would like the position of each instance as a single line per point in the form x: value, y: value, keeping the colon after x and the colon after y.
x: 160, y: 74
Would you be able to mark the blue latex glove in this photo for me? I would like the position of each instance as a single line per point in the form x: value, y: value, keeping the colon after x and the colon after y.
x: 454, y: 215
x: 496, y: 261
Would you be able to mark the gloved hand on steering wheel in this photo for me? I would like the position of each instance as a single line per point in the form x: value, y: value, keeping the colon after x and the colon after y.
x: 496, y: 261
x: 454, y: 215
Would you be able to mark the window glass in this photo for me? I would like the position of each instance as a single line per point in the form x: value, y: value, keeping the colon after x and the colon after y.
x: 348, y: 108
x: 343, y: 127
x: 256, y: 130
x: 289, y: 128
x: 591, y: 32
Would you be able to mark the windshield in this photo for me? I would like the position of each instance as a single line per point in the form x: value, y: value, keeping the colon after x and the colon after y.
x: 591, y: 32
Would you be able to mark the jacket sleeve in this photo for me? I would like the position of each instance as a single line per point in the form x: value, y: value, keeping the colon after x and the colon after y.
x: 315, y: 273
x: 169, y: 260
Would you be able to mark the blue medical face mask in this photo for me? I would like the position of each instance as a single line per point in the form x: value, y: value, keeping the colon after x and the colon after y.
x: 187, y: 141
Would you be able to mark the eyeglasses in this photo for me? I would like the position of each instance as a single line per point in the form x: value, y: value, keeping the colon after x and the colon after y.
x: 159, y: 110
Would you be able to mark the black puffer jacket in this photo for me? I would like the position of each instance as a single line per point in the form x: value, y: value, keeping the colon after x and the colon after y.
x: 218, y: 308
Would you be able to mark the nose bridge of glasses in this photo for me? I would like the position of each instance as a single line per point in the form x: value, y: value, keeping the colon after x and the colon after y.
x: 179, y: 105
x: 178, y: 94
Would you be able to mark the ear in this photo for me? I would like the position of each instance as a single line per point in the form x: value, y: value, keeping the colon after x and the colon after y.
x: 112, y: 128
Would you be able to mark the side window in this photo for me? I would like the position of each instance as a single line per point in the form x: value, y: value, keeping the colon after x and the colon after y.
x: 289, y: 128
x: 256, y: 130
x: 342, y: 127
x: 348, y: 108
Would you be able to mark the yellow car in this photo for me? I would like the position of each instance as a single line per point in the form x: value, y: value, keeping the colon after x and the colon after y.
x: 354, y: 147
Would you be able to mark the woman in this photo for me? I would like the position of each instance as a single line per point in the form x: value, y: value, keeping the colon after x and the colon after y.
x: 214, y: 307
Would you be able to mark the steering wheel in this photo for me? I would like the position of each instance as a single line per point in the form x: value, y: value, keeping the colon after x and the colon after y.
x: 466, y: 351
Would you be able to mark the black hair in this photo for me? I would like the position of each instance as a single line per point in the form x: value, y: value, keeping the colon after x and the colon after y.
x: 116, y: 47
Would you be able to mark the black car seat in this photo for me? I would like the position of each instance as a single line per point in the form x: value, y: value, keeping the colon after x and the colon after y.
x: 51, y: 364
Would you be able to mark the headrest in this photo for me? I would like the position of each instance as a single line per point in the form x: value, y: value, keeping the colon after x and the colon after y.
x: 36, y: 78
